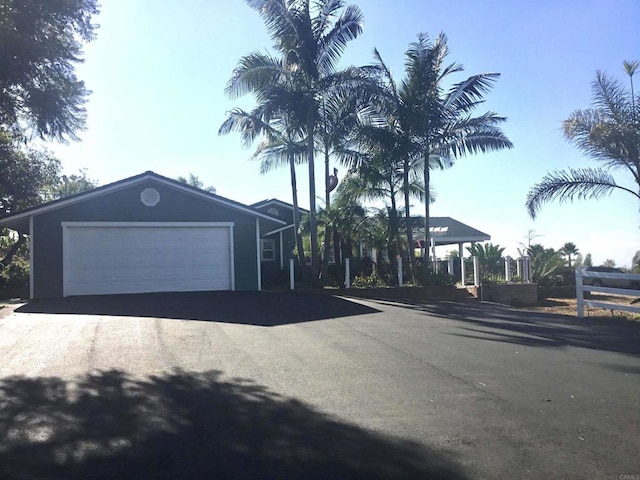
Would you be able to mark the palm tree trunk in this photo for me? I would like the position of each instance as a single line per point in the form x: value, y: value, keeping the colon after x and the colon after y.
x: 327, y: 227
x: 427, y: 239
x: 296, y: 218
x: 407, y: 219
x: 313, y: 226
x: 393, y: 247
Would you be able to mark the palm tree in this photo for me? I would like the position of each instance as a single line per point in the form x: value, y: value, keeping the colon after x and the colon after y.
x: 282, y: 145
x: 442, y: 124
x: 568, y: 249
x: 544, y: 263
x: 608, y: 133
x: 630, y: 68
x: 310, y: 41
x: 489, y: 256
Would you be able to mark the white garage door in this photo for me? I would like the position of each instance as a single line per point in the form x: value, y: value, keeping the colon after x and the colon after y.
x: 110, y: 258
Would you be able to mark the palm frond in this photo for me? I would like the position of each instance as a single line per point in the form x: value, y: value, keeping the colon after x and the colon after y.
x: 465, y: 95
x: 585, y: 183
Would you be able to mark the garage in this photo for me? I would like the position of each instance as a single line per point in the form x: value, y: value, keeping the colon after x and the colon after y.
x: 142, y: 234
x: 111, y: 258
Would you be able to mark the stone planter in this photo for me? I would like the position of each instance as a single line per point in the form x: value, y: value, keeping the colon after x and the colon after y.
x: 508, y: 294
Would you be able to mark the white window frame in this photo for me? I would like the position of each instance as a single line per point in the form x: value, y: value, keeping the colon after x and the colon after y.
x: 272, y: 249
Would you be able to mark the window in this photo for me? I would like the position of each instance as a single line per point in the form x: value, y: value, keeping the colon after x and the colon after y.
x: 268, y: 248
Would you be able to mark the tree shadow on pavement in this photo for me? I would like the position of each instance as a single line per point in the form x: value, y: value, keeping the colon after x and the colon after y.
x: 254, y: 308
x: 183, y: 425
x: 490, y: 321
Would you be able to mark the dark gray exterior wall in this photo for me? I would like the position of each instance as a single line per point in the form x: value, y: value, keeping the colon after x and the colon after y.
x: 125, y: 206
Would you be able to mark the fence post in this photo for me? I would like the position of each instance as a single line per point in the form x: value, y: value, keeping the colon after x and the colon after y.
x: 347, y: 272
x: 579, y: 292
x: 292, y: 270
x: 476, y: 271
x: 507, y: 269
x: 527, y: 269
x: 399, y: 258
x: 463, y: 271
x: 450, y: 266
x: 519, y: 261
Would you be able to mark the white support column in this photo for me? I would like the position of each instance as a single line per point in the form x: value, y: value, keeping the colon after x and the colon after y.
x: 579, y: 292
x: 507, y: 269
x: 399, y: 259
x: 433, y: 249
x: 281, y: 251
x: 292, y: 274
x: 450, y: 266
x: 258, y: 252
x: 463, y: 271
x: 347, y: 273
x: 519, y: 268
x: 476, y: 271
x: 526, y: 269
x: 31, y: 270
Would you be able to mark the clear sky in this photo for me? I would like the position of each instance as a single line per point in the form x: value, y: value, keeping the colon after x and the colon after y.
x: 158, y: 69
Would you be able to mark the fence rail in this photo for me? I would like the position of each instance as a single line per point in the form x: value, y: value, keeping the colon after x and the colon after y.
x: 582, y: 273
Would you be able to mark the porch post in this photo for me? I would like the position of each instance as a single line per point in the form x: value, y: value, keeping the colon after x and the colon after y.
x: 258, y: 254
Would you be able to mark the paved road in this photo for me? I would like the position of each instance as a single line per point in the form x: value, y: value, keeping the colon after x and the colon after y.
x: 304, y: 386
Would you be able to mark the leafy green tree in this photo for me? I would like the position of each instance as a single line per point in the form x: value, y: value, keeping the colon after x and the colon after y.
x: 194, y: 181
x: 609, y: 263
x: 72, y: 184
x: 635, y: 262
x: 27, y: 177
x: 579, y: 261
x: 609, y: 133
x: 569, y: 249
x: 40, y: 43
x: 309, y: 41
x: 588, y: 262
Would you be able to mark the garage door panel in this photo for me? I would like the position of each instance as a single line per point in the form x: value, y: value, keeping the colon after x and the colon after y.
x: 108, y: 259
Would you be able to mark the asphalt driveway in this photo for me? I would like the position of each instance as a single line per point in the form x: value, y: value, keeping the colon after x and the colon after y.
x: 282, y: 385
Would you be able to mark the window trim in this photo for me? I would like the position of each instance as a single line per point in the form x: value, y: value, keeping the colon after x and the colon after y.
x: 268, y: 245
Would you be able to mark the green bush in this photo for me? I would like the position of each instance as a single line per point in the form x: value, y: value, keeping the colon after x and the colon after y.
x: 433, y: 279
x: 14, y: 278
x: 367, y: 281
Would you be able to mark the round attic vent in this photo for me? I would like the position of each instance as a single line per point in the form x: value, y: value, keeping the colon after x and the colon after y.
x: 273, y: 212
x: 150, y: 197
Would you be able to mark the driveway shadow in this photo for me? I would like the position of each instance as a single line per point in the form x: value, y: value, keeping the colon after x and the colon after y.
x: 183, y: 425
x: 493, y: 322
x: 254, y: 308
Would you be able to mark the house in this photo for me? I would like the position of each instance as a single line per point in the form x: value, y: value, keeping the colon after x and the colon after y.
x: 278, y: 245
x: 146, y: 233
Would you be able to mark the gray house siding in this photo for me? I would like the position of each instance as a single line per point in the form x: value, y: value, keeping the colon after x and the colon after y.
x: 125, y: 206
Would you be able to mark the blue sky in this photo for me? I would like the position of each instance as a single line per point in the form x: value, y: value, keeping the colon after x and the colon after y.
x: 158, y: 70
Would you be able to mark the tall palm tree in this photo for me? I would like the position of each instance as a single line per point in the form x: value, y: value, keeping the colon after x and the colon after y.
x: 569, y: 249
x: 310, y: 41
x: 631, y: 68
x: 608, y: 133
x: 442, y: 124
x: 282, y: 145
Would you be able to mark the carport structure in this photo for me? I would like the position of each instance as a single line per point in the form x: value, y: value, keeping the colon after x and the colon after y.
x: 446, y: 231
x: 146, y: 233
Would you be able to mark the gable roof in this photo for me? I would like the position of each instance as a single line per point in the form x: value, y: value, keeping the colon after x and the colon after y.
x: 20, y: 220
x: 275, y: 201
x: 456, y: 231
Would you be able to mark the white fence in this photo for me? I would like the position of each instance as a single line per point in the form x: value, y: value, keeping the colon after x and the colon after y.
x: 602, y: 279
